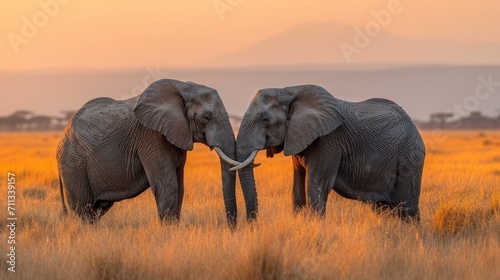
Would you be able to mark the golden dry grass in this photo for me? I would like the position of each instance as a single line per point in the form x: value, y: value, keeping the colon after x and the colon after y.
x: 459, y: 236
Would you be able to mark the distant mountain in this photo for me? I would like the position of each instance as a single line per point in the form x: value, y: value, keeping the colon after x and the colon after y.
x: 320, y: 43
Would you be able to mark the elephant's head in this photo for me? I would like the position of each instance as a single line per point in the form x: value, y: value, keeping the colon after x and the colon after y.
x: 186, y: 113
x: 287, y: 119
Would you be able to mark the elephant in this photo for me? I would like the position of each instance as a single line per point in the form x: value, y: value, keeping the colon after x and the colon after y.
x: 113, y: 150
x: 369, y: 151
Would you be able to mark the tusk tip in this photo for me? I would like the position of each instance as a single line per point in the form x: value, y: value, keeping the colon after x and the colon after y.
x: 249, y: 160
x: 234, y: 168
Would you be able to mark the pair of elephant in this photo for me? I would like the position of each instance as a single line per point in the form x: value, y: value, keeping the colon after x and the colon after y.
x: 115, y: 149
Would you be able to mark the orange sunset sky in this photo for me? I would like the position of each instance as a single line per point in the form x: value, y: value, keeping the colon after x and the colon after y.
x: 114, y: 34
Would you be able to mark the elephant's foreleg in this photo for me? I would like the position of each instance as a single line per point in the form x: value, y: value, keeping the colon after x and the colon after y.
x: 166, y: 192
x: 180, y: 189
x: 320, y: 179
x: 317, y: 198
x: 299, y: 182
x: 167, y: 199
x: 317, y: 191
x: 161, y: 170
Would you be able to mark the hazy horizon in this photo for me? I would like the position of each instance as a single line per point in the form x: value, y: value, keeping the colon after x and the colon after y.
x: 420, y: 90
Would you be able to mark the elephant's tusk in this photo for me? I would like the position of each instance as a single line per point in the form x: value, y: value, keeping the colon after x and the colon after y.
x: 223, y: 156
x: 246, y: 162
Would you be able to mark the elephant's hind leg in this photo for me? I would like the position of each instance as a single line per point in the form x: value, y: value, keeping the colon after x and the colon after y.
x: 407, y: 193
x: 400, y: 210
x: 80, y: 198
x: 87, y: 214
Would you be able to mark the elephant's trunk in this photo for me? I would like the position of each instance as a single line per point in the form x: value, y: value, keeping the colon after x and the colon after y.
x: 226, y: 147
x: 228, y: 190
x: 247, y: 180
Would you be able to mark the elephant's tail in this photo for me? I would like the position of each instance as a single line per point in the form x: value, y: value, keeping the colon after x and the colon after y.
x: 65, y: 210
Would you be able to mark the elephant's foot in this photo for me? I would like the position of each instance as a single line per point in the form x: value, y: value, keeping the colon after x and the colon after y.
x: 90, y: 219
x: 409, y: 215
x: 299, y: 208
x: 170, y: 217
x: 405, y: 213
x: 382, y: 207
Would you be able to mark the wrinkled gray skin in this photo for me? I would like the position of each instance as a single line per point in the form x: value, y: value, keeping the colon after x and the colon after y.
x: 115, y: 149
x: 370, y: 151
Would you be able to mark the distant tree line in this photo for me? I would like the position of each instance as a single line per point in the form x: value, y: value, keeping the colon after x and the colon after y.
x: 476, y: 120
x: 23, y: 120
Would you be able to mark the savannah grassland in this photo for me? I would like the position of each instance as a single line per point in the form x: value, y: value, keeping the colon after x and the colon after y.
x: 458, y: 238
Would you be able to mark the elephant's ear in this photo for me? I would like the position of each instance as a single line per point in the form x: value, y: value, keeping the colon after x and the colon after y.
x: 313, y: 112
x: 161, y: 108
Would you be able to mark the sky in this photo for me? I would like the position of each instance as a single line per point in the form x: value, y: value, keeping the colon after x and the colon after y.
x: 112, y: 37
x: 171, y: 33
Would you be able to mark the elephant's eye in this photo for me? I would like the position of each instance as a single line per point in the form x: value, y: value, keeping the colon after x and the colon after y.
x: 265, y: 121
x: 206, y: 118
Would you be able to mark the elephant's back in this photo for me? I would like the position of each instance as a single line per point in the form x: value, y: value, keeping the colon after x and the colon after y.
x: 96, y: 113
x: 381, y: 117
x: 400, y: 122
x: 100, y: 123
x: 71, y: 144
x: 390, y: 107
x: 383, y: 133
x: 102, y: 117
x: 377, y: 131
